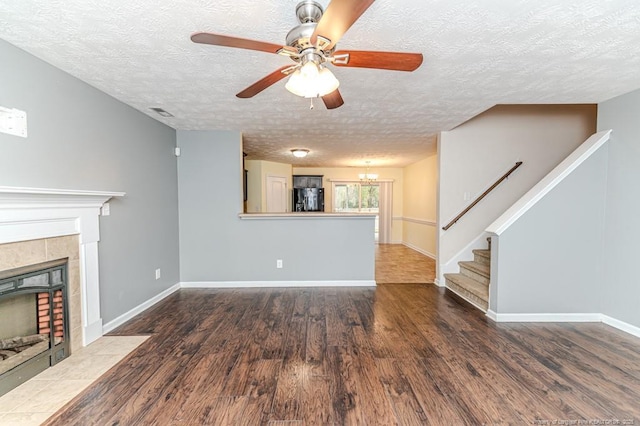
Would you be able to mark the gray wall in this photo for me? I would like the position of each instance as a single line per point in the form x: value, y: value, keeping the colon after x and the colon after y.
x: 81, y: 138
x: 216, y: 245
x: 475, y: 154
x: 621, y: 297
x: 550, y: 259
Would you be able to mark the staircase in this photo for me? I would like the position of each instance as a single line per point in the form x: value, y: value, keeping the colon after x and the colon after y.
x: 472, y: 283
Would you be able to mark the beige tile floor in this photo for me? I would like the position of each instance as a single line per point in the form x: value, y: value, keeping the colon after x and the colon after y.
x: 33, y: 402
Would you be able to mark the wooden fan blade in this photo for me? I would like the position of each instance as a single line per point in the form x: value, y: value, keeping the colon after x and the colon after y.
x: 333, y: 100
x: 338, y: 18
x: 262, y: 84
x: 228, y: 41
x: 395, y: 61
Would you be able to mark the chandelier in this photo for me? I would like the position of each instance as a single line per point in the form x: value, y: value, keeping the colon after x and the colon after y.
x: 367, y: 176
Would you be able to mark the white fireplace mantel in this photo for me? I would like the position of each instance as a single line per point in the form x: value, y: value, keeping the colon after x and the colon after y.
x: 36, y: 213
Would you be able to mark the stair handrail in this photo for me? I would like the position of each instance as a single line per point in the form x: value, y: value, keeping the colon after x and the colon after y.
x: 484, y: 194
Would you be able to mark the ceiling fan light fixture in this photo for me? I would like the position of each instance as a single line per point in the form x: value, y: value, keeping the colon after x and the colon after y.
x: 300, y: 152
x: 312, y: 81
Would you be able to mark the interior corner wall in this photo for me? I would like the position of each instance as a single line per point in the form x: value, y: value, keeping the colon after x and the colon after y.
x: 622, y: 228
x: 81, y: 138
x: 257, y: 172
x: 254, y: 185
x: 475, y: 154
x: 419, y: 207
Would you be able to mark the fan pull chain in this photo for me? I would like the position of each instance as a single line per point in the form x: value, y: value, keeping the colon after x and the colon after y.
x: 311, y: 106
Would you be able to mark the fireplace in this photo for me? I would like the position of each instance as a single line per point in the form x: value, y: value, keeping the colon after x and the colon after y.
x: 40, y: 225
x: 34, y: 333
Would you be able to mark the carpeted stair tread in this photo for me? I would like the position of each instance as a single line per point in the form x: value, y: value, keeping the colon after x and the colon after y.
x: 482, y: 253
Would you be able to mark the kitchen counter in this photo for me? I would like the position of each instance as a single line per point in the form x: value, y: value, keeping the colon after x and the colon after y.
x: 305, y: 215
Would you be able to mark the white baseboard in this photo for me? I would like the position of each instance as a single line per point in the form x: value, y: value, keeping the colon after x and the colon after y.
x: 621, y: 325
x: 111, y: 325
x: 605, y: 319
x: 492, y: 315
x: 419, y: 250
x: 438, y: 282
x: 579, y: 317
x: 269, y: 284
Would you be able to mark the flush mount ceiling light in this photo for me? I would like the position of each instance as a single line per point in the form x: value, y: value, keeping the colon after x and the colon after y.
x: 299, y: 152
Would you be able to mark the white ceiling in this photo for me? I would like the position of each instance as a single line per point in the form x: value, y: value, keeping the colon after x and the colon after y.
x: 477, y: 53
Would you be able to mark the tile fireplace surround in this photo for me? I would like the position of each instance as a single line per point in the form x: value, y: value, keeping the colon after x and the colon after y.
x: 25, y: 253
x: 37, y: 225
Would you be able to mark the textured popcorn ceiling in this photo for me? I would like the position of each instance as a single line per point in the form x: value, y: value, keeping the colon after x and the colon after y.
x: 477, y: 53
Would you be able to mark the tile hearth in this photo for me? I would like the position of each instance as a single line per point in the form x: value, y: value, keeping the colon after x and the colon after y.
x: 33, y: 402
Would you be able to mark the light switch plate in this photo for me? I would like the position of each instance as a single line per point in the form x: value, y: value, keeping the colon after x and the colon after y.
x: 13, y: 122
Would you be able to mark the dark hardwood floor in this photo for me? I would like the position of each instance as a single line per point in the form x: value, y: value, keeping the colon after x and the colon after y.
x: 398, y: 354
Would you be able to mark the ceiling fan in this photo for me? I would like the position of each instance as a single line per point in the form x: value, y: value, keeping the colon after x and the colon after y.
x: 311, y: 45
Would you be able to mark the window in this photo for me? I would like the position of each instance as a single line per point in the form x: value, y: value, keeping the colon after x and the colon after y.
x: 356, y: 197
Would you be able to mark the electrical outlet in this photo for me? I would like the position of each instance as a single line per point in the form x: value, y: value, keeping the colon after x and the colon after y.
x: 279, y: 263
x: 467, y: 196
x: 158, y: 274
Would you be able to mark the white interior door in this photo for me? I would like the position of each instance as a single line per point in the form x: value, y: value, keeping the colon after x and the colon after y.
x: 277, y: 194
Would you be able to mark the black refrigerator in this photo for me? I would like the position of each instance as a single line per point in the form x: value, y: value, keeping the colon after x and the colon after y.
x: 308, y: 199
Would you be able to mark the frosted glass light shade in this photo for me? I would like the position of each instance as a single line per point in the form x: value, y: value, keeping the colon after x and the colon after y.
x: 300, y: 153
x: 311, y: 81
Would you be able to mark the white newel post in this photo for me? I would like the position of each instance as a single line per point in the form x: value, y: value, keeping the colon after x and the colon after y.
x: 36, y: 213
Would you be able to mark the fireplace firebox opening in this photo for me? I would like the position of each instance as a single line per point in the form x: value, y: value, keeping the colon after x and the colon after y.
x: 34, y: 330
